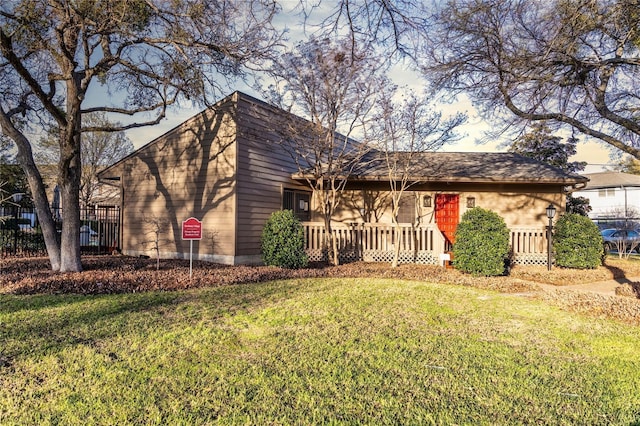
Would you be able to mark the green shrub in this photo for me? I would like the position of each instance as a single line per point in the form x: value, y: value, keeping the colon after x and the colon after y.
x: 283, y: 241
x: 482, y: 243
x: 577, y: 242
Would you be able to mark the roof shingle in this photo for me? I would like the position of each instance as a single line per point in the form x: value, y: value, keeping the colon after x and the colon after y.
x: 478, y: 167
x: 611, y: 180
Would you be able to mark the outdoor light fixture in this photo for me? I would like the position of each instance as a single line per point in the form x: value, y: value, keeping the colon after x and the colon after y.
x: 471, y: 202
x: 551, y: 212
x: 426, y: 201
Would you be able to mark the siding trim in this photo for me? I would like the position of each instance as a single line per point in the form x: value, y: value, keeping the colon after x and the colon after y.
x: 236, y: 100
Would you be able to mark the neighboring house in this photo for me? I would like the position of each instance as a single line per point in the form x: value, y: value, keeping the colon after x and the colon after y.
x: 614, y: 197
x: 224, y: 167
x: 99, y: 195
x: 99, y: 214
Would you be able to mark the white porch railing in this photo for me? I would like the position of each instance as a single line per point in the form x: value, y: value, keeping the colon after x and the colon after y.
x: 529, y: 245
x: 375, y: 242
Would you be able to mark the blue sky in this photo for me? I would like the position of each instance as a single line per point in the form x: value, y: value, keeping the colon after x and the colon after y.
x: 593, y: 152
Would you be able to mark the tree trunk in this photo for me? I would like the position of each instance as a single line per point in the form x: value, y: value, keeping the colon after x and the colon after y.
x: 38, y: 192
x: 70, y: 171
x: 336, y: 258
x: 70, y: 239
x: 396, y: 245
x: 45, y: 218
x: 330, y: 243
x: 395, y: 202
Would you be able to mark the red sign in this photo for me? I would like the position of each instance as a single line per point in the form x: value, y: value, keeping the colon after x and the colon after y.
x: 192, y: 229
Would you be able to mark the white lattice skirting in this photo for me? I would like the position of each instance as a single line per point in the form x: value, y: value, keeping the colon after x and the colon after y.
x: 422, y: 258
x: 530, y: 259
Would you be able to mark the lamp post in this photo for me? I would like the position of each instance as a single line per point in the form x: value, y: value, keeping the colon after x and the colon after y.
x: 551, y: 212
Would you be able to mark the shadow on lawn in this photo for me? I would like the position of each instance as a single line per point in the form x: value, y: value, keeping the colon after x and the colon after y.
x: 620, y: 276
x: 46, y: 324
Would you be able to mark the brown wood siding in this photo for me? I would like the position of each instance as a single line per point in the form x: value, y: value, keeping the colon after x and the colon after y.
x: 190, y: 171
x: 519, y: 205
x: 226, y: 169
x: 263, y: 171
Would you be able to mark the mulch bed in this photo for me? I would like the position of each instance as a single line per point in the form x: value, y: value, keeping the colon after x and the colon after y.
x: 122, y: 274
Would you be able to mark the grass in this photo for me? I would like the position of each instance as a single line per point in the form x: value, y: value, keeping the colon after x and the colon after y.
x: 310, y: 351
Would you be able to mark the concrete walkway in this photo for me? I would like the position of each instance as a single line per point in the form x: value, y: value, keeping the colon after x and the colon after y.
x: 602, y: 287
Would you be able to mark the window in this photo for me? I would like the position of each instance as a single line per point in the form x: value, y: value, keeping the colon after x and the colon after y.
x: 471, y: 202
x: 407, y: 209
x: 607, y: 192
x: 299, y: 202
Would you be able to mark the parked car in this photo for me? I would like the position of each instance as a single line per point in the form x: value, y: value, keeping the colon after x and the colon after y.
x: 627, y: 239
x: 88, y: 237
x: 25, y: 227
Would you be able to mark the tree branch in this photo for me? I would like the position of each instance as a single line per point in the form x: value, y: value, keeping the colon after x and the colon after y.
x: 45, y: 98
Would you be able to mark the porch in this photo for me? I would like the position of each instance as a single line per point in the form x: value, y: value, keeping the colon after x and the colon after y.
x: 424, y: 244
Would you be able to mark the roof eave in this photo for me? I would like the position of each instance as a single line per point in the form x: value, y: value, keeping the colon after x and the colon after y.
x: 449, y: 179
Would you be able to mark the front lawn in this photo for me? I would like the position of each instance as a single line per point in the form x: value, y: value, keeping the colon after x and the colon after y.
x: 313, y: 351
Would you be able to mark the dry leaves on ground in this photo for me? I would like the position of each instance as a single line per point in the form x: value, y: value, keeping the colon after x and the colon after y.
x: 122, y: 274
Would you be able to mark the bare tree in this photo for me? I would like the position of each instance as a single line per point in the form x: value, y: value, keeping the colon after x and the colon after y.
x: 625, y: 248
x: 405, y: 130
x: 623, y: 238
x: 5, y: 150
x: 141, y: 55
x: 392, y: 27
x: 570, y: 63
x: 155, y: 226
x: 98, y: 150
x: 322, y: 81
x: 623, y: 217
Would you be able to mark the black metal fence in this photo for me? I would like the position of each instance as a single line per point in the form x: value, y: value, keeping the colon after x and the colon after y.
x: 617, y: 222
x: 21, y: 235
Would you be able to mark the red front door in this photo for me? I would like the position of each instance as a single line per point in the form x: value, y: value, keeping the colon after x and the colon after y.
x: 447, y: 215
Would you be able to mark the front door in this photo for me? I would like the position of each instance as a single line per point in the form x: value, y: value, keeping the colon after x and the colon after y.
x: 447, y: 216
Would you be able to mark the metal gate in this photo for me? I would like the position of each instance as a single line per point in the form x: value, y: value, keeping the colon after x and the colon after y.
x: 21, y: 235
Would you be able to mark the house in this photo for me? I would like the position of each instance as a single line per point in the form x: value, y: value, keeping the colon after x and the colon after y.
x: 93, y: 193
x: 614, y: 198
x: 225, y: 167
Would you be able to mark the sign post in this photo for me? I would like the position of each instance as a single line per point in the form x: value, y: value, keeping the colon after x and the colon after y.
x: 191, y: 230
